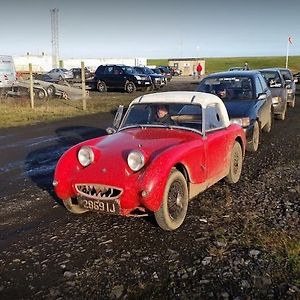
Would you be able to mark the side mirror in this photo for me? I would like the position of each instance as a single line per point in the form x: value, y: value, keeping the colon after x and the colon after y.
x: 262, y: 96
x: 111, y: 130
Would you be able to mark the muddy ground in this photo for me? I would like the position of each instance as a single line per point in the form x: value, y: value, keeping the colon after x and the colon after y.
x: 237, y: 242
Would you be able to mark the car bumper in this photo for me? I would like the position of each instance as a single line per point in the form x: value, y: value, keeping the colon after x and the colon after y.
x: 143, y: 83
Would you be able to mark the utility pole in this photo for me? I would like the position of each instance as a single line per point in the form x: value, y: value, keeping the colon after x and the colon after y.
x: 54, y: 37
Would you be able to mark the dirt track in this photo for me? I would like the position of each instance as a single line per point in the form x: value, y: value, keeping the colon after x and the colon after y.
x: 229, y: 246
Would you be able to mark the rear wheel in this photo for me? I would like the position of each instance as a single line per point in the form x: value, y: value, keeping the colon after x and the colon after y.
x: 51, y: 91
x: 252, y: 145
x: 72, y: 206
x: 267, y: 128
x: 101, y: 86
x: 236, y: 162
x: 130, y: 87
x: 174, y: 205
x: 40, y: 93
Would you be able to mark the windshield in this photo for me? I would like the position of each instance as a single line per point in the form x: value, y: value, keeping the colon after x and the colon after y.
x: 164, y: 115
x: 228, y: 88
x: 129, y: 70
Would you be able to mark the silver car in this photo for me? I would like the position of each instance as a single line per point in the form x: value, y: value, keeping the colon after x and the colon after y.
x: 60, y: 74
x: 290, y: 85
x: 278, y: 87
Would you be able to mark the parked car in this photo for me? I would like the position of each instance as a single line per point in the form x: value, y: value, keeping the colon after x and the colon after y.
x: 157, y: 80
x: 77, y: 73
x: 59, y: 74
x: 290, y: 85
x: 152, y: 167
x: 159, y: 72
x: 166, y: 72
x: 278, y: 88
x: 247, y: 99
x: 297, y: 77
x: 120, y: 77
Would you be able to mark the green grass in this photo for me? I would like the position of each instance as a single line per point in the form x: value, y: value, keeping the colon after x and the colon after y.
x: 224, y: 63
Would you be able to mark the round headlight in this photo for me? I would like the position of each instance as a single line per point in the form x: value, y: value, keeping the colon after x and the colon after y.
x: 85, y: 156
x: 135, y: 160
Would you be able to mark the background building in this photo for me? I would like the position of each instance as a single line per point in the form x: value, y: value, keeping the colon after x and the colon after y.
x: 187, y: 65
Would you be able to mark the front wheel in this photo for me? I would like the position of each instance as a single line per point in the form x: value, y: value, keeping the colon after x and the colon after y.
x: 173, y: 209
x: 252, y: 145
x: 282, y: 115
x: 72, y: 206
x: 130, y: 87
x: 236, y: 162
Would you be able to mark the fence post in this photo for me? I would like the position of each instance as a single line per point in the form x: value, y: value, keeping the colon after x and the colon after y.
x: 83, y: 86
x: 31, y: 87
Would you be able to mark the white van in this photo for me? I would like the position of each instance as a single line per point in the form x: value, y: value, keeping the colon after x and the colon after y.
x: 7, y: 71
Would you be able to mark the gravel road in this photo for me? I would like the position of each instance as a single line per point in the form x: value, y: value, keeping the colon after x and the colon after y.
x: 237, y: 242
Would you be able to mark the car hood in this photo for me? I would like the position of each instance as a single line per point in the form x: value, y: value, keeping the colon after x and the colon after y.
x: 150, y: 140
x: 240, y: 108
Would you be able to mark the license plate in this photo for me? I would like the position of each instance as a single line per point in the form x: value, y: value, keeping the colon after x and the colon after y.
x: 104, y: 206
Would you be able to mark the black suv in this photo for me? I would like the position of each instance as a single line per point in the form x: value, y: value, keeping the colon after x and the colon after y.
x: 158, y: 80
x: 120, y: 77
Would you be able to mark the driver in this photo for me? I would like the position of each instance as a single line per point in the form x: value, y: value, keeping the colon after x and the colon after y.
x: 162, y: 114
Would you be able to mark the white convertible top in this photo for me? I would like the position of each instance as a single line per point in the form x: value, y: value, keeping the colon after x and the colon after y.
x: 188, y: 97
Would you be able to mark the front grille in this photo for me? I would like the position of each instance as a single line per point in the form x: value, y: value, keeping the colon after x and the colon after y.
x: 98, y: 191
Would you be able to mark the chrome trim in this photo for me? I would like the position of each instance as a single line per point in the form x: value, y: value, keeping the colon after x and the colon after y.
x: 98, y: 191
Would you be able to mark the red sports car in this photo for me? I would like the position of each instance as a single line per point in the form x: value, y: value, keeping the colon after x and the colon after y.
x: 168, y: 148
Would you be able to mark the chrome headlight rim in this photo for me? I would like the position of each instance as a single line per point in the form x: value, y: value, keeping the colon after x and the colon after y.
x: 85, y: 156
x: 136, y: 160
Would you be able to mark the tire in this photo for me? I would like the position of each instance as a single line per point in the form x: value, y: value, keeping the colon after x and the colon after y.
x: 73, y: 208
x: 292, y: 104
x: 173, y: 209
x: 236, y: 163
x: 130, y: 87
x: 150, y: 88
x: 252, y: 146
x: 101, y: 87
x: 40, y: 93
x: 282, y: 115
x: 267, y: 128
x: 51, y: 91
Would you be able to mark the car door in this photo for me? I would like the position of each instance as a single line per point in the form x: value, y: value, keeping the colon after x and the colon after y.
x: 119, y: 77
x: 216, y: 145
x: 262, y: 107
x: 108, y: 77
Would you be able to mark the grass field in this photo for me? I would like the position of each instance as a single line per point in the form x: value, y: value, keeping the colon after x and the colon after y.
x: 224, y: 63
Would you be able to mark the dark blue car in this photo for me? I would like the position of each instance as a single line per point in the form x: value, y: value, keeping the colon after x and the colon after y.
x: 247, y: 98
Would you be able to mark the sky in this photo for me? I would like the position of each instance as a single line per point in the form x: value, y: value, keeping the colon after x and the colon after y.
x: 151, y: 28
